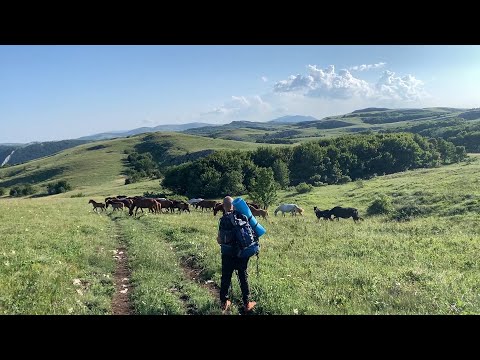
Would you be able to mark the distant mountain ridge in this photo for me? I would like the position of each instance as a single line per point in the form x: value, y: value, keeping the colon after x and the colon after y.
x: 288, y: 119
x: 142, y: 130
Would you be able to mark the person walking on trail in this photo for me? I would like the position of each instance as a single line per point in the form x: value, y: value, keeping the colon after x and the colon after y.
x: 230, y: 261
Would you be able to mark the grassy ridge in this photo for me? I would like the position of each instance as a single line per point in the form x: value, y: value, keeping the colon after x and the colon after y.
x: 102, y: 163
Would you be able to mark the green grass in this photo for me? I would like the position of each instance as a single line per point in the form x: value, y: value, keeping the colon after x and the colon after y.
x: 425, y: 264
x: 45, y: 245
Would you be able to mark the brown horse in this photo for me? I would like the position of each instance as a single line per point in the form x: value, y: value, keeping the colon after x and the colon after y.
x: 258, y: 212
x: 218, y: 207
x: 142, y: 203
x: 207, y: 204
x: 97, y: 205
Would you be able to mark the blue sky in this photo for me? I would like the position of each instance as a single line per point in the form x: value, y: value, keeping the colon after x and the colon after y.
x: 64, y: 92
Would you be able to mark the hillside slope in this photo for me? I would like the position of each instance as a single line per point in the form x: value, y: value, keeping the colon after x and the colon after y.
x: 103, y: 162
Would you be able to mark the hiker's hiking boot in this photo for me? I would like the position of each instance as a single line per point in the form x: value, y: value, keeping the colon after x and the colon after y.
x: 249, y: 307
x: 226, y: 306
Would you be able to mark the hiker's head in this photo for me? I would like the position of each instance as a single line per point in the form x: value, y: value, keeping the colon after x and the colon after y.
x: 228, y: 203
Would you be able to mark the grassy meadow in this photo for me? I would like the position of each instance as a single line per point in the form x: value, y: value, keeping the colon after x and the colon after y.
x: 57, y: 254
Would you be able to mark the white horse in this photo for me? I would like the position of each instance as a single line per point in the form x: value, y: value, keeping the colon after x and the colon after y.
x: 194, y: 201
x: 291, y: 208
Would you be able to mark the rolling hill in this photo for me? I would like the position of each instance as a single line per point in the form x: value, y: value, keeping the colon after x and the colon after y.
x: 142, y: 130
x: 103, y: 162
x: 288, y: 129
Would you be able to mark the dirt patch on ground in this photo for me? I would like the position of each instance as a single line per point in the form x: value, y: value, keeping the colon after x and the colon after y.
x: 121, y: 302
x: 194, y: 272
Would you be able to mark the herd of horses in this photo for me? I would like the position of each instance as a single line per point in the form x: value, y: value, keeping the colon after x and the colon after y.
x: 159, y: 205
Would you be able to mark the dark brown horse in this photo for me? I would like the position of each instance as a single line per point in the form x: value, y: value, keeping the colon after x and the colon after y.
x: 218, y: 207
x: 144, y: 203
x: 207, y: 204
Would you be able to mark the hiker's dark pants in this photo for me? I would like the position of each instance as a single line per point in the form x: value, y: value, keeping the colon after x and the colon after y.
x: 230, y: 263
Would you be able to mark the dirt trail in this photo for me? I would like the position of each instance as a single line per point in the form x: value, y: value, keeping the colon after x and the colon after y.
x: 121, y: 300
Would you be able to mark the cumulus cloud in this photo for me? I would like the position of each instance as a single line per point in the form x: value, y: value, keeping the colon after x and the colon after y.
x: 325, y: 83
x: 328, y: 83
x: 264, y: 79
x: 394, y: 87
x: 367, y: 67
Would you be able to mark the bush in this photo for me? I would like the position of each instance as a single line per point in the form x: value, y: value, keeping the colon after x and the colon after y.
x: 2, y: 191
x: 319, y: 183
x: 58, y: 187
x: 344, y: 179
x: 22, y: 190
x: 407, y: 212
x: 78, y: 195
x: 303, y: 188
x: 381, y: 205
x: 359, y: 184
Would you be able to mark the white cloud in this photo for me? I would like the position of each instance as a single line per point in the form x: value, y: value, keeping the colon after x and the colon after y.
x: 264, y: 79
x: 327, y: 83
x: 406, y: 88
x: 323, y: 92
x: 367, y: 67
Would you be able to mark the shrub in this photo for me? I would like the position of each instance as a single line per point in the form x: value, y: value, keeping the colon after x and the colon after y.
x: 359, y: 184
x: 78, y: 195
x: 381, y: 205
x: 407, y: 212
x: 2, y: 191
x: 22, y: 190
x: 58, y: 187
x: 303, y: 188
x: 344, y: 179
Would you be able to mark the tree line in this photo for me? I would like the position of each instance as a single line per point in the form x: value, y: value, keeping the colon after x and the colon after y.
x: 316, y: 163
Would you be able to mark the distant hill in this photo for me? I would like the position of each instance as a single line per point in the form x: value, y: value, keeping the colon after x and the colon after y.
x: 143, y: 130
x: 33, y: 151
x: 370, y: 109
x: 290, y: 119
x: 103, y: 162
x: 470, y: 115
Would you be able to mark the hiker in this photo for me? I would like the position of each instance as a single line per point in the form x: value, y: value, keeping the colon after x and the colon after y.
x: 230, y: 261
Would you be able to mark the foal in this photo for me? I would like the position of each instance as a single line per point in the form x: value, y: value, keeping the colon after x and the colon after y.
x: 97, y: 205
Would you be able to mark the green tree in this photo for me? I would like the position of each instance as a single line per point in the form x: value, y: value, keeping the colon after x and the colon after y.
x: 281, y: 173
x: 264, y: 188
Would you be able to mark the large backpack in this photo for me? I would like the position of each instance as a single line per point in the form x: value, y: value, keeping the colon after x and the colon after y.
x: 243, y: 240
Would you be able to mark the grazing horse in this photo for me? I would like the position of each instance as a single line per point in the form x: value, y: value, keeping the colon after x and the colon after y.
x: 258, y: 212
x: 207, y: 204
x: 218, y: 207
x: 183, y: 206
x: 324, y: 214
x: 166, y: 204
x: 97, y: 205
x: 298, y: 210
x: 345, y: 213
x: 256, y: 206
x: 139, y: 203
x: 291, y: 208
